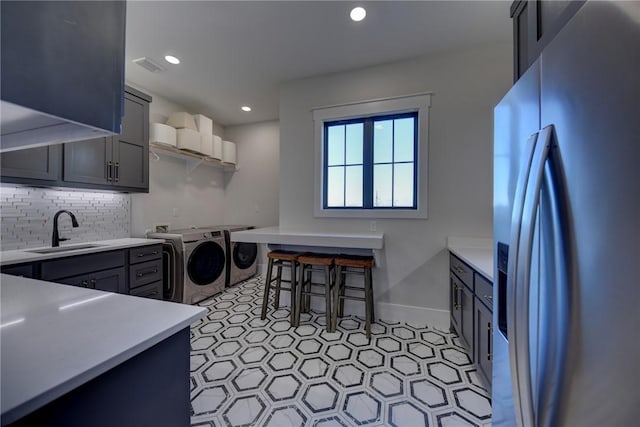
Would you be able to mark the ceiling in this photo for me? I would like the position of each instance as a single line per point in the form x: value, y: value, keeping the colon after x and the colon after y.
x: 238, y: 53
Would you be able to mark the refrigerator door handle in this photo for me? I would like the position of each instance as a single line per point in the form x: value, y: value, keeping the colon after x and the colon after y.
x: 518, y: 281
x: 558, y: 289
x: 516, y: 218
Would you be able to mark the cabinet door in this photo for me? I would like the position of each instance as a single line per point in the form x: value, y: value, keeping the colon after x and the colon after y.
x: 466, y: 301
x: 41, y: 163
x: 89, y: 162
x: 23, y: 270
x: 110, y: 280
x: 484, y: 345
x: 454, y: 303
x: 131, y: 147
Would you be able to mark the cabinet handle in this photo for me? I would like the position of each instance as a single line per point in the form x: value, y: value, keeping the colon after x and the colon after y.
x: 457, y: 304
x: 489, y: 297
x: 93, y: 283
x: 117, y: 175
x: 85, y: 284
x: 109, y: 171
x: 147, y: 273
x: 147, y: 254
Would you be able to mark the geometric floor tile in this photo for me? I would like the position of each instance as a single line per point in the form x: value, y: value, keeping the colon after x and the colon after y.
x: 254, y: 372
x: 407, y: 414
x: 362, y: 408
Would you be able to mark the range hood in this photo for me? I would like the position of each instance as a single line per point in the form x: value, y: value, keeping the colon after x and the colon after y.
x: 62, y: 74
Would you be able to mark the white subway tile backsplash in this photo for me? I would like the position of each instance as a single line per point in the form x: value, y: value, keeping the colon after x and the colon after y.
x: 26, y: 216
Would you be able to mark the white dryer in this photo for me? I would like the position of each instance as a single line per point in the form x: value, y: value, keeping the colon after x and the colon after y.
x: 242, y: 258
x: 197, y: 263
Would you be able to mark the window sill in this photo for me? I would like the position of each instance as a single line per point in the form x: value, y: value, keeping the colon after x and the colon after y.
x: 372, y: 213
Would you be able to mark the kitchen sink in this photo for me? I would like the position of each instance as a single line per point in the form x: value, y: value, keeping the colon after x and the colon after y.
x: 63, y: 248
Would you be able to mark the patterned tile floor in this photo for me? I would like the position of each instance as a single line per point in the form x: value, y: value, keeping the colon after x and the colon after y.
x: 251, y: 372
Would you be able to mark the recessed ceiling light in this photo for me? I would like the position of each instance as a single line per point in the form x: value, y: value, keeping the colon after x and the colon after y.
x: 172, y: 59
x: 358, y: 13
x: 245, y: 108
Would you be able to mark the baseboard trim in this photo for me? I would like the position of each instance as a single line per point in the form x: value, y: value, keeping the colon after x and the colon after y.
x: 412, y: 314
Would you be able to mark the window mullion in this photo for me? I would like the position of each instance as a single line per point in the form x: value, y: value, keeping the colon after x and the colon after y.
x: 393, y: 161
x: 367, y: 165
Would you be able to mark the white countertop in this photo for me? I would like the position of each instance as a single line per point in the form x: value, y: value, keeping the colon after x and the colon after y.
x: 478, y: 253
x: 56, y: 337
x: 24, y: 255
x: 285, y: 236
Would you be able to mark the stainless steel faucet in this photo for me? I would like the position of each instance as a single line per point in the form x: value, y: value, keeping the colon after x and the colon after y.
x: 55, y: 240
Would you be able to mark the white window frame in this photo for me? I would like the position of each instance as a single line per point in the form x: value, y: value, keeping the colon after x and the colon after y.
x: 420, y: 102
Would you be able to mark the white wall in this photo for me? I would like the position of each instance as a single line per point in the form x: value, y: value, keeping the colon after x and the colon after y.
x: 466, y: 85
x: 251, y: 193
x: 176, y: 196
x: 208, y: 196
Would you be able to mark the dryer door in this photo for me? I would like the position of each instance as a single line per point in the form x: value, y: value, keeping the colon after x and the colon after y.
x: 244, y: 255
x: 206, y: 263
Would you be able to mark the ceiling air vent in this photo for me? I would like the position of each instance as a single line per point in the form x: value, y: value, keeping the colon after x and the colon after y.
x: 148, y: 64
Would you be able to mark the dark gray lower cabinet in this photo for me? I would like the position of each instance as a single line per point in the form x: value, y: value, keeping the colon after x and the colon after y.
x: 483, y: 331
x: 471, y: 307
x: 136, y: 271
x: 112, y: 280
x: 150, y: 389
x: 23, y: 270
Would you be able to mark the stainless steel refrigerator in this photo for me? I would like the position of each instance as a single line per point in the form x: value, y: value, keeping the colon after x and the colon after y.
x: 566, y: 336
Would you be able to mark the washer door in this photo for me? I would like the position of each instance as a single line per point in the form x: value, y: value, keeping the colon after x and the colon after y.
x: 245, y: 254
x: 206, y: 263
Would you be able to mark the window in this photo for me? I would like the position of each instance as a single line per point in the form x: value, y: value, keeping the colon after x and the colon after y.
x: 369, y: 163
x: 371, y: 158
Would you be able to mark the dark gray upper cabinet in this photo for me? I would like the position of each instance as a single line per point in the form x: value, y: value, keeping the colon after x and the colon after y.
x: 535, y: 24
x: 62, y: 70
x: 42, y: 163
x: 118, y: 163
x: 88, y: 162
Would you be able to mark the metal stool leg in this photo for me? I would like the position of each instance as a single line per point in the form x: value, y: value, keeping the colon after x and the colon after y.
x: 307, y: 285
x: 267, y: 286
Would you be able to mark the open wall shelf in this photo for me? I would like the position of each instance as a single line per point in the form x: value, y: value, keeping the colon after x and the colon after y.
x: 194, y: 159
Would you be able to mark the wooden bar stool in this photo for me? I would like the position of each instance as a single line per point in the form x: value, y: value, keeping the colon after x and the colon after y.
x: 353, y: 265
x: 308, y: 264
x: 280, y: 260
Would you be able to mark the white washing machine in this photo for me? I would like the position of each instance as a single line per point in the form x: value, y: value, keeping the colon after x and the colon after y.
x: 195, y: 263
x: 242, y: 258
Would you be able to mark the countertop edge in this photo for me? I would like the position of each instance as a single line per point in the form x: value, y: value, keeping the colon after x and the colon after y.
x: 22, y: 256
x: 310, y: 238
x: 463, y: 254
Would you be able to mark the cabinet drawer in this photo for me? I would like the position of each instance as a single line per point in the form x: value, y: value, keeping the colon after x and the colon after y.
x: 83, y: 264
x: 144, y: 253
x: 24, y: 270
x: 143, y: 273
x: 151, y: 290
x: 462, y: 270
x: 484, y: 291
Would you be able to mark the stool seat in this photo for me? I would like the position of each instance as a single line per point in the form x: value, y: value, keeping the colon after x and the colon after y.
x: 286, y: 256
x: 315, y: 260
x: 363, y: 262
